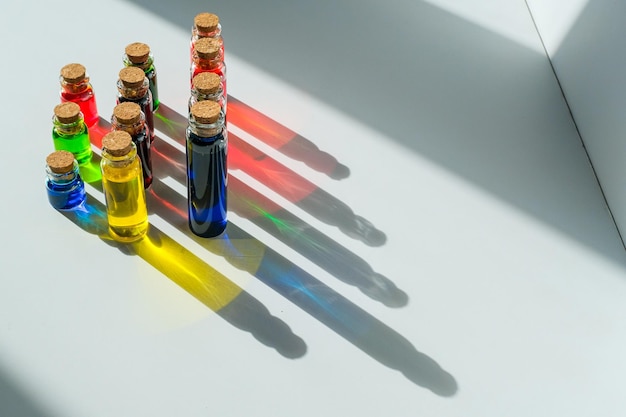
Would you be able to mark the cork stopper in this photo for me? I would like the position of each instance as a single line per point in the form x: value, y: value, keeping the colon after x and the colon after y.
x: 206, y: 111
x: 73, y: 73
x: 68, y: 112
x: 206, y: 22
x: 132, y: 77
x: 207, y: 83
x: 117, y: 143
x: 137, y: 52
x: 60, y: 162
x: 207, y: 48
x: 127, y: 113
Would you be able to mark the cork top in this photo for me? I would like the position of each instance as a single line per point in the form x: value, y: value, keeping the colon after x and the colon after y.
x: 206, y: 111
x: 132, y: 77
x: 60, y: 162
x: 117, y: 143
x: 127, y: 112
x: 73, y: 73
x: 207, y: 83
x: 206, y: 22
x: 68, y: 112
x: 137, y: 52
x: 207, y: 48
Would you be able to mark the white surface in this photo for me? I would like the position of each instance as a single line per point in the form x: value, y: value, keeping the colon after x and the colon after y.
x: 590, y: 62
x: 460, y: 150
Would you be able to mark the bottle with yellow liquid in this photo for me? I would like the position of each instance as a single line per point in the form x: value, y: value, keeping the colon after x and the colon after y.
x: 122, y: 183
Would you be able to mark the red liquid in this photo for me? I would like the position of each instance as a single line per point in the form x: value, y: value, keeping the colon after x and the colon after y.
x: 87, y: 102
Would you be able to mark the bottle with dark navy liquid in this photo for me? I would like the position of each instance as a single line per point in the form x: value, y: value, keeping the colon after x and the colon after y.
x: 207, y: 175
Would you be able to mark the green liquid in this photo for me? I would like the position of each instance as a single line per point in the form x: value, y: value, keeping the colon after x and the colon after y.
x: 78, y: 144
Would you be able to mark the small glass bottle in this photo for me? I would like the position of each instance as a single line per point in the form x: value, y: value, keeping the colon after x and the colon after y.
x: 206, y: 25
x: 207, y: 57
x: 128, y: 117
x: 133, y: 85
x: 75, y: 87
x: 69, y: 132
x: 122, y: 183
x: 207, y: 174
x: 138, y: 54
x: 65, y: 188
x: 207, y: 86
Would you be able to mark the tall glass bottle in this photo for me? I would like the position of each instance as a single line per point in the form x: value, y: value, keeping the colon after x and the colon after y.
x: 207, y: 86
x: 138, y: 54
x: 208, y: 57
x: 134, y: 86
x: 122, y: 183
x: 206, y: 25
x: 128, y: 117
x: 69, y: 132
x: 64, y: 185
x: 75, y: 87
x: 207, y: 174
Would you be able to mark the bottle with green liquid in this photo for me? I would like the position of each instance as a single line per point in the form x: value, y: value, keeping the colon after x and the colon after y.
x: 122, y: 183
x: 69, y: 132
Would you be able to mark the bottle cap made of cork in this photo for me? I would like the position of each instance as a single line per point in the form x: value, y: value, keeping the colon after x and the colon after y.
x: 132, y: 77
x: 127, y: 112
x: 206, y: 111
x: 60, y: 162
x: 117, y: 143
x: 206, y: 22
x: 67, y: 113
x: 207, y: 83
x: 207, y: 48
x: 137, y: 52
x: 73, y: 73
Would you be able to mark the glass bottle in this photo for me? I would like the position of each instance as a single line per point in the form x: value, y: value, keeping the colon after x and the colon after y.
x: 128, y: 117
x: 207, y: 175
x: 69, y: 132
x: 206, y: 25
x: 122, y: 183
x: 133, y: 85
x: 207, y: 57
x: 75, y: 87
x: 64, y: 185
x: 138, y: 54
x: 207, y: 86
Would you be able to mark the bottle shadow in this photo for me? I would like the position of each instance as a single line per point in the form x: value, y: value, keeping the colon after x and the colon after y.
x: 279, y: 178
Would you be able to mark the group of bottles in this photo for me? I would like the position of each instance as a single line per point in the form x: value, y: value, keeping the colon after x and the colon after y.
x: 126, y: 164
x: 206, y: 135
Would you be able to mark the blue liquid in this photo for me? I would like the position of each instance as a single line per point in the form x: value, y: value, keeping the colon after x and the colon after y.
x: 66, y: 196
x: 207, y: 179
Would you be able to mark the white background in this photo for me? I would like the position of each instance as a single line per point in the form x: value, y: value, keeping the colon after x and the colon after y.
x: 460, y: 149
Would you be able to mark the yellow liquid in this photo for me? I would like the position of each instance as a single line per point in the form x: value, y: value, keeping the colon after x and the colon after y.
x: 126, y: 201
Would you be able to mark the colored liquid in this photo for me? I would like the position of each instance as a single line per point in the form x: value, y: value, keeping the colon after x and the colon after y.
x: 152, y: 79
x: 78, y: 144
x: 206, y: 184
x: 66, y: 196
x: 145, y: 103
x: 142, y: 141
x: 87, y: 102
x: 125, y: 200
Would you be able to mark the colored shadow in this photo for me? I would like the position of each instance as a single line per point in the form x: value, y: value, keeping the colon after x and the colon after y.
x: 297, y: 234
x: 199, y: 279
x: 282, y: 180
x: 283, y: 139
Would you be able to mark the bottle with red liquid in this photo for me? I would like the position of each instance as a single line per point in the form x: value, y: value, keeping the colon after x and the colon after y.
x: 75, y: 87
x: 208, y: 57
x: 206, y: 25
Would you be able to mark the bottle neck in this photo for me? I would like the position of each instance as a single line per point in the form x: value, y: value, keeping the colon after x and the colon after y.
x: 213, y: 63
x: 143, y: 65
x: 133, y: 93
x: 207, y: 130
x: 119, y: 161
x: 197, y: 33
x: 133, y: 129
x: 68, y: 129
x: 215, y: 96
x: 75, y: 88
x: 64, y: 178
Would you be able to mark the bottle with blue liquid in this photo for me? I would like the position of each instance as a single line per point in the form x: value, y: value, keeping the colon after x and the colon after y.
x: 66, y: 190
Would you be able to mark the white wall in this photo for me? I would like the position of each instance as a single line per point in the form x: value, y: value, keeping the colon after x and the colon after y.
x: 585, y: 41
